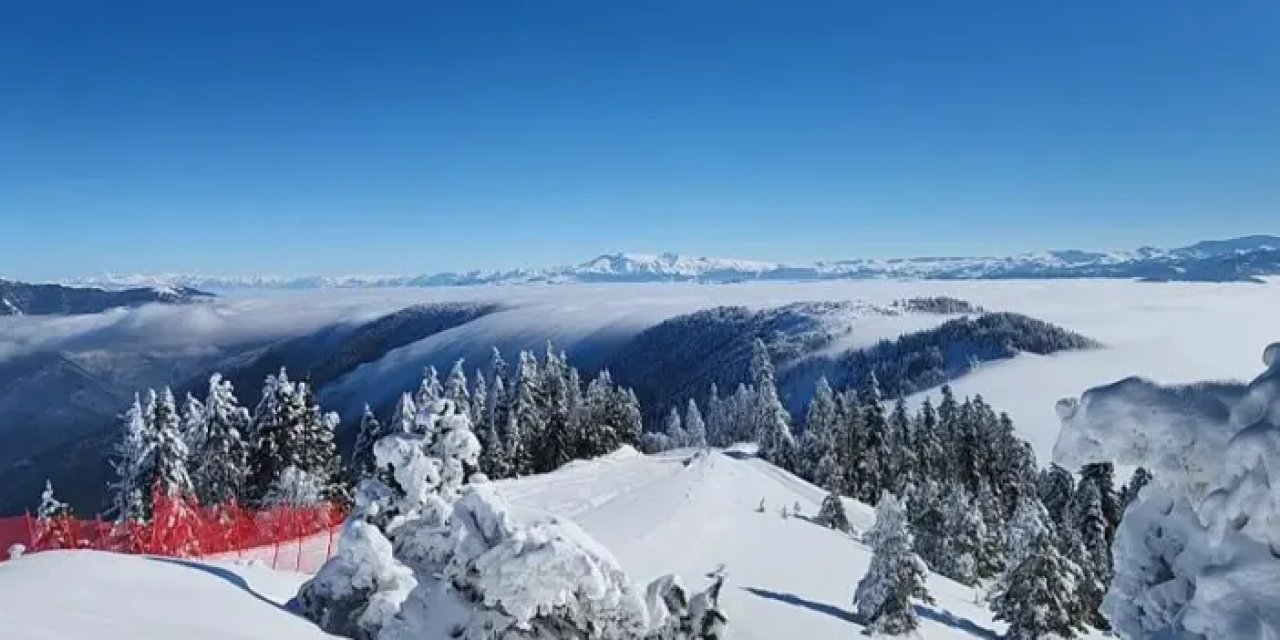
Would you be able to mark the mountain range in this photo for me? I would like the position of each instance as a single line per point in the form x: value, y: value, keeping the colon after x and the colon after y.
x: 20, y: 298
x: 1237, y: 259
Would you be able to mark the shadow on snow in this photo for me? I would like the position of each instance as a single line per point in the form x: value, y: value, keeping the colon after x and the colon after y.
x: 943, y: 617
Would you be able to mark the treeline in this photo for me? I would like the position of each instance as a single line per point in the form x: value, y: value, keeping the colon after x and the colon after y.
x: 531, y: 418
x: 975, y: 506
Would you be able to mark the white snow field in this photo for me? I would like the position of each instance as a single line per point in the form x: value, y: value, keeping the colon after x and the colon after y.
x: 677, y: 512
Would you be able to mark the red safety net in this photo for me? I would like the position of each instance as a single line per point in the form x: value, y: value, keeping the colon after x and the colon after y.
x: 182, y: 528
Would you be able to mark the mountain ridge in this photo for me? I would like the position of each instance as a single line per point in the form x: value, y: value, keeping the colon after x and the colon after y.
x: 1244, y: 258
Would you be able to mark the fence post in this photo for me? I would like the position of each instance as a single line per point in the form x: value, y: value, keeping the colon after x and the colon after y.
x: 31, y: 531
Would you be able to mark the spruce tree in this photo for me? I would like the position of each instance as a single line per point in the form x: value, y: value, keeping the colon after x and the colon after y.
x: 554, y: 448
x: 873, y: 465
x: 404, y: 417
x: 369, y: 433
x: 818, y: 462
x: 430, y: 390
x: 129, y: 458
x: 695, y: 429
x: 455, y: 388
x: 991, y: 552
x: 832, y: 514
x: 1102, y: 476
x: 930, y: 457
x: 193, y: 427
x: 904, y: 466
x: 1057, y: 490
x: 965, y: 537
x: 1089, y: 523
x: 53, y: 522
x: 717, y: 419
x: 896, y: 576
x: 525, y: 422
x: 1030, y: 520
x: 771, y: 420
x: 1036, y: 597
x: 673, y: 427
x: 220, y: 465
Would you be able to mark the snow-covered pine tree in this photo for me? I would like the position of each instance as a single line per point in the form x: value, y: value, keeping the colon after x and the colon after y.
x: 849, y: 440
x: 219, y: 466
x: 193, y: 428
x: 694, y: 428
x: 525, y: 424
x: 929, y: 524
x: 479, y: 401
x: 633, y: 417
x: 369, y: 433
x: 1102, y: 476
x: 1089, y: 523
x: 817, y: 456
x: 1036, y: 596
x: 965, y: 536
x: 896, y: 577
x: 318, y: 453
x: 673, y: 427
x: 169, y: 453
x: 929, y: 453
x: 455, y: 387
x: 53, y: 522
x: 405, y: 415
x: 771, y: 420
x: 554, y: 447
x: 129, y: 458
x: 430, y: 390
x: 740, y: 409
x: 1057, y: 490
x: 717, y: 419
x: 1013, y: 466
x: 873, y: 465
x: 904, y: 467
x: 1030, y: 520
x: 990, y: 558
x: 832, y: 514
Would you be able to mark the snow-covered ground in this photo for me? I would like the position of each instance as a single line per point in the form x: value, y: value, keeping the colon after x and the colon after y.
x: 676, y: 512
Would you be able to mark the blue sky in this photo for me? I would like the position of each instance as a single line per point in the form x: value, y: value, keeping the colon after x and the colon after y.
x: 323, y: 138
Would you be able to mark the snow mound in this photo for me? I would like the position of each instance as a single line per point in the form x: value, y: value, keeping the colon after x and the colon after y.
x: 1199, y: 552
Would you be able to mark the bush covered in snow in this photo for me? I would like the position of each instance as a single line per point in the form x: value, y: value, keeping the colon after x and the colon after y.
x: 1197, y: 553
x: 429, y: 554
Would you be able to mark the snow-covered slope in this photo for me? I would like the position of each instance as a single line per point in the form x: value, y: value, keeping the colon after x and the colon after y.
x: 1216, y: 260
x: 678, y: 512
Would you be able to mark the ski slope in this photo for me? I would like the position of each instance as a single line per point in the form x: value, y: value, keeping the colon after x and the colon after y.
x: 680, y: 512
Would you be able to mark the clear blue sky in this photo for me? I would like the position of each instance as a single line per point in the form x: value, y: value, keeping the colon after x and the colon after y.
x: 325, y: 137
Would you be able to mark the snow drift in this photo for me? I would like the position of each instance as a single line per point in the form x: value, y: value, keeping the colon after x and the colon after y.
x: 1198, y: 554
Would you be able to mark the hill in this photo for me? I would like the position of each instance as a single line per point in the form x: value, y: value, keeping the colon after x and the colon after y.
x: 676, y: 512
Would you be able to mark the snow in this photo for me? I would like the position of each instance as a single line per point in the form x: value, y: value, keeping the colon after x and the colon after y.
x: 1197, y: 552
x: 679, y: 512
x: 91, y: 594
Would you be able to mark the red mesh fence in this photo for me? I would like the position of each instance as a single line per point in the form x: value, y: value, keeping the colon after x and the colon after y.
x: 297, y: 538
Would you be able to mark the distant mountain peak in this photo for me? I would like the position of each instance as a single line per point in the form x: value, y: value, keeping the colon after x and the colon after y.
x: 1210, y: 260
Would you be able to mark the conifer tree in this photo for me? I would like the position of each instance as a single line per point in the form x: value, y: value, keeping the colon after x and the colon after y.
x: 771, y: 420
x: 219, y: 466
x: 873, y: 464
x: 130, y: 456
x: 674, y: 429
x: 818, y: 461
x: 1102, y: 476
x: 832, y: 514
x: 554, y: 447
x: 404, y: 417
x: 904, y: 467
x: 965, y: 537
x: 431, y: 389
x: 1089, y: 523
x: 1036, y: 597
x: 896, y: 577
x: 695, y: 429
x: 929, y: 523
x: 1057, y: 490
x: 193, y: 427
x: 1030, y: 520
x: 990, y: 558
x: 717, y: 419
x: 369, y: 433
x: 53, y: 522
x: 455, y: 388
x: 525, y: 422
x: 480, y: 408
x: 169, y: 452
x: 930, y: 456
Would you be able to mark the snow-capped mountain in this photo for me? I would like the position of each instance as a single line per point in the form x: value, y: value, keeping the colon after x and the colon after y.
x: 20, y: 298
x: 1238, y: 259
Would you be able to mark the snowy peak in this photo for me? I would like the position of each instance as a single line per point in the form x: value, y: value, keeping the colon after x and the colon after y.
x: 1238, y: 259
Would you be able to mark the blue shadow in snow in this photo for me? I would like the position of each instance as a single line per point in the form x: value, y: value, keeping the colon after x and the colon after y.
x: 795, y: 600
x: 943, y: 617
x: 227, y: 575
